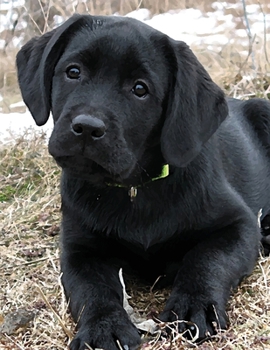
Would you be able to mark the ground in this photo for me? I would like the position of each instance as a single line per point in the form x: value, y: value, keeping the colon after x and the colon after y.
x: 33, y: 310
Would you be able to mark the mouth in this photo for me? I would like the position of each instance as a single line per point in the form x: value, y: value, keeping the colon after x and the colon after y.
x: 116, y: 173
x: 86, y: 169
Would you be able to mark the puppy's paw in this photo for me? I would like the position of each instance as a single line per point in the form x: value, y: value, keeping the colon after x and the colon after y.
x: 198, y: 318
x: 111, y: 331
x: 265, y: 230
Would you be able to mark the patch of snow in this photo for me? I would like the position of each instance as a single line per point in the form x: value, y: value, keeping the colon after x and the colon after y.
x: 2, y: 43
x: 17, y: 104
x: 141, y: 14
x: 211, y: 30
x: 6, y: 5
x: 219, y: 5
x: 16, y: 124
x: 58, y: 20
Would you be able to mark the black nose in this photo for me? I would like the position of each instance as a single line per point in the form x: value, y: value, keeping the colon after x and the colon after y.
x: 88, y: 126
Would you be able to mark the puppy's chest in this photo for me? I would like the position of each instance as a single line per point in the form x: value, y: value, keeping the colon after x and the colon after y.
x: 141, y: 223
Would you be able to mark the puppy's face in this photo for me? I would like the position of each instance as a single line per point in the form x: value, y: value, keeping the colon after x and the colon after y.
x: 125, y: 98
x: 108, y: 93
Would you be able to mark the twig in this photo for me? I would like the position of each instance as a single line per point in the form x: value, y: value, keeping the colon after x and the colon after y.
x: 139, y: 5
x: 44, y: 16
x: 9, y: 338
x: 249, y: 35
x: 46, y: 25
x: 264, y: 32
x: 27, y: 263
x: 32, y: 19
x: 66, y: 330
x: 156, y: 281
x: 88, y: 346
x: 119, y: 344
x: 264, y: 274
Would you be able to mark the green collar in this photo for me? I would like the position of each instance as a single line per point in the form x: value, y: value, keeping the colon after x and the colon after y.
x: 133, y: 189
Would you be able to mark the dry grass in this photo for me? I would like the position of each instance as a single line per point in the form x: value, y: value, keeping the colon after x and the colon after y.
x: 29, y: 265
x: 29, y: 229
x: 227, y: 66
x: 29, y: 216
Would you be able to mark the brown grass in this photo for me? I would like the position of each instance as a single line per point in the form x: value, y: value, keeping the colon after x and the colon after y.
x: 29, y: 265
x: 29, y: 229
x: 227, y: 66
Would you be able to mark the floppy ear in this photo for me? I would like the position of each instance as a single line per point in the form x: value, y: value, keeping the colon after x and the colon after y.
x: 36, y: 62
x: 197, y: 107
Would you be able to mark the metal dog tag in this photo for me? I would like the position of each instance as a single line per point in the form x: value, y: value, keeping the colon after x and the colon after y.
x: 132, y: 193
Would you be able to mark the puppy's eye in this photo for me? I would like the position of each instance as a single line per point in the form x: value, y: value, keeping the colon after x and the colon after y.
x: 73, y: 73
x: 140, y: 89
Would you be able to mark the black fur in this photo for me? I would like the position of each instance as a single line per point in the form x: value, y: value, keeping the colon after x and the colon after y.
x: 198, y: 226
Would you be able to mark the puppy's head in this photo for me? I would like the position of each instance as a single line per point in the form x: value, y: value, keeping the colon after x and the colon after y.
x: 125, y: 98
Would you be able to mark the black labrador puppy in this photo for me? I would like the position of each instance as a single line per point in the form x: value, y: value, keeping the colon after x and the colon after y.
x: 161, y: 173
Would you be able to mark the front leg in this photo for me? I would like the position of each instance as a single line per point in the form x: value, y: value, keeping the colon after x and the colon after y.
x: 93, y: 288
x: 208, y: 274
